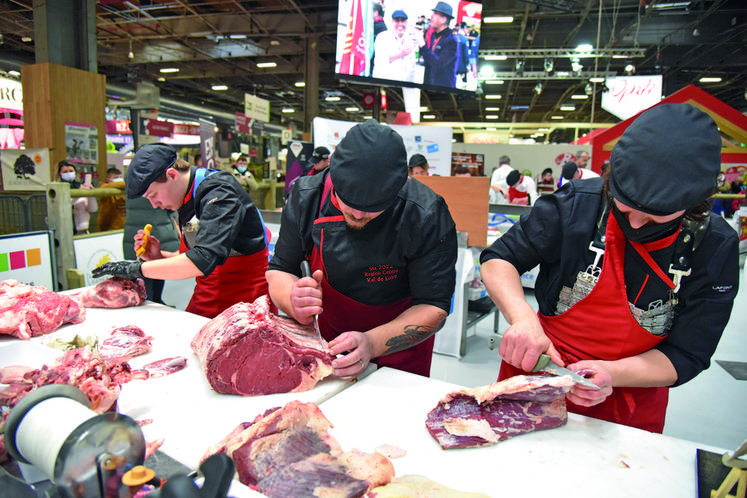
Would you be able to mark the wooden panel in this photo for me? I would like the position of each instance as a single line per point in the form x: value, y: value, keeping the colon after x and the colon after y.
x: 54, y: 95
x: 467, y: 198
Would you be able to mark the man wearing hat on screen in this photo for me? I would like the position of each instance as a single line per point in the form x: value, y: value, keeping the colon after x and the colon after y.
x: 224, y: 240
x: 439, y: 48
x: 319, y: 160
x: 382, y: 250
x: 636, y: 279
x: 394, y: 51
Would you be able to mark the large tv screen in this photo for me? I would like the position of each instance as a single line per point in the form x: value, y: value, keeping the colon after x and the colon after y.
x: 411, y: 43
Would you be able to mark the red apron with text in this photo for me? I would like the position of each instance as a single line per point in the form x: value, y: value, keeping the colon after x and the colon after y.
x: 343, y: 314
x: 618, y: 336
x: 239, y: 279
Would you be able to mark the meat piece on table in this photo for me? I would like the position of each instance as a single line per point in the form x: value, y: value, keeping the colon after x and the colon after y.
x: 250, y: 351
x: 27, y: 310
x: 114, y: 292
x: 167, y: 366
x: 126, y: 342
x: 486, y: 415
x: 288, y: 452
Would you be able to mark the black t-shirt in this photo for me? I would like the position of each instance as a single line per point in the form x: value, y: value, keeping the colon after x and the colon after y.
x: 409, y: 250
x: 556, y: 235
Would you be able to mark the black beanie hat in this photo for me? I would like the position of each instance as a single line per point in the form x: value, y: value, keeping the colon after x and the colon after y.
x: 417, y: 160
x: 148, y: 164
x: 513, y: 177
x: 369, y: 167
x: 667, y: 160
x: 569, y: 169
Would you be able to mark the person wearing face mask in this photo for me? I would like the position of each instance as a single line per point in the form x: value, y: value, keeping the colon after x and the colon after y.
x: 637, y: 280
x: 241, y: 172
x: 82, y: 206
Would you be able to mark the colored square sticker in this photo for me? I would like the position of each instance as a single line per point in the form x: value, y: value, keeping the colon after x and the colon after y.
x: 432, y: 148
x: 4, y: 262
x: 17, y: 260
x: 33, y: 257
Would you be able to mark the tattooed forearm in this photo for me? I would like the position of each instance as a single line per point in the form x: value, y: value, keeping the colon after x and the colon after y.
x: 412, y: 335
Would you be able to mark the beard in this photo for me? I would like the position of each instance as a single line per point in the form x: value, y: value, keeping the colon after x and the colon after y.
x: 356, y: 223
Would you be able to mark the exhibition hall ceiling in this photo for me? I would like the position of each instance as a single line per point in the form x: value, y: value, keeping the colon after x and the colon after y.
x: 225, y: 42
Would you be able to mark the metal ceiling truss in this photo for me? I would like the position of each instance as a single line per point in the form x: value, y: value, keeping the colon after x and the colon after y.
x: 544, y: 53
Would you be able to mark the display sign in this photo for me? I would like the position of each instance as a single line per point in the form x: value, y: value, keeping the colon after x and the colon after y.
x: 629, y: 95
x: 25, y: 169
x: 156, y: 128
x: 27, y: 257
x: 475, y: 163
x: 95, y: 250
x: 256, y: 108
x: 186, y: 129
x: 82, y: 143
x: 11, y: 95
x: 243, y: 124
x: 207, y: 143
x: 118, y: 126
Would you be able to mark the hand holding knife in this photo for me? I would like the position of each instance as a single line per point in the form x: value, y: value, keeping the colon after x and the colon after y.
x: 306, y: 272
x: 146, y: 231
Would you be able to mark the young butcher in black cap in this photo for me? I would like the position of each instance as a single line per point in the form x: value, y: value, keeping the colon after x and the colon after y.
x: 224, y: 240
x: 382, y: 250
x: 649, y: 315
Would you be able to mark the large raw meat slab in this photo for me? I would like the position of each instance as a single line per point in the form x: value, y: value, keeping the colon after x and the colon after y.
x: 485, y: 415
x: 114, y: 292
x: 27, y: 310
x: 249, y: 351
x: 287, y: 452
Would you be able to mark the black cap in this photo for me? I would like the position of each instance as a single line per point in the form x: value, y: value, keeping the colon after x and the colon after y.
x: 150, y: 162
x: 444, y: 8
x: 667, y: 160
x: 320, y: 154
x: 417, y: 160
x: 569, y: 170
x: 369, y: 167
x: 513, y: 177
x: 399, y: 14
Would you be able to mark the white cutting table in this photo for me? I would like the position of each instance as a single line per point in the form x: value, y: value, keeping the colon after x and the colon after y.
x: 586, y: 457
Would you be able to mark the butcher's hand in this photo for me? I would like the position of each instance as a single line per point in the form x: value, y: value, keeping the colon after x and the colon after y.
x: 123, y: 269
x: 152, y: 247
x: 306, y: 297
x: 357, y: 350
x: 594, y: 371
x: 523, y: 343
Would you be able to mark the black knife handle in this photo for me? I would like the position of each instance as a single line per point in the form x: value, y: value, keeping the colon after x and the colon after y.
x: 305, y: 269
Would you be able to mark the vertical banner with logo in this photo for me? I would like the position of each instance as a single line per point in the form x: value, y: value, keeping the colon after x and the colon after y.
x: 207, y: 143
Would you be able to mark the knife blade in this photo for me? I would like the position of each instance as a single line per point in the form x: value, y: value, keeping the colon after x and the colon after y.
x: 545, y: 364
x: 306, y: 272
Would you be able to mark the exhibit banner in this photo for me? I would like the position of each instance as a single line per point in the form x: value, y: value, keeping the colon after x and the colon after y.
x: 25, y: 169
x: 629, y: 95
x: 27, y: 257
x: 207, y: 143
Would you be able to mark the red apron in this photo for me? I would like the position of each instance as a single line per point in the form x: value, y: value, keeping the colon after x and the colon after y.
x: 343, y: 314
x: 620, y: 337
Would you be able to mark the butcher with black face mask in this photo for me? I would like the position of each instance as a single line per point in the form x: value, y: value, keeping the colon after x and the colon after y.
x: 636, y: 280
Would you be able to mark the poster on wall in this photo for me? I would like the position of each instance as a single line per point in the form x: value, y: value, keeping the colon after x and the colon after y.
x: 27, y: 257
x: 25, y: 169
x: 297, y: 161
x: 434, y: 142
x: 82, y: 143
x: 95, y: 250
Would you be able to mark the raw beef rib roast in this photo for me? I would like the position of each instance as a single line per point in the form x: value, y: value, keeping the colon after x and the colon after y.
x: 247, y: 350
x: 486, y: 415
x: 29, y: 310
x: 114, y: 292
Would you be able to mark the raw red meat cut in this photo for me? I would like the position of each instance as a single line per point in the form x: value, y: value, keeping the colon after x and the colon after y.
x: 114, y: 292
x: 27, y: 311
x: 247, y: 350
x: 288, y: 452
x: 486, y: 415
x: 166, y: 366
x: 127, y: 341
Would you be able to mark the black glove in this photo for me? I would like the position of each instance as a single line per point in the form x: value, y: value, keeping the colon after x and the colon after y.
x: 123, y: 269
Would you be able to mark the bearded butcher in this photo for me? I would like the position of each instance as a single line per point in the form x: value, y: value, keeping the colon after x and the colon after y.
x: 224, y: 242
x: 382, y: 248
x: 636, y: 279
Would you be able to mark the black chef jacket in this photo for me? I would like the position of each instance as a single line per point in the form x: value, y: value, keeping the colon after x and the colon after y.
x: 556, y: 235
x: 440, y: 57
x: 228, y: 220
x: 408, y: 250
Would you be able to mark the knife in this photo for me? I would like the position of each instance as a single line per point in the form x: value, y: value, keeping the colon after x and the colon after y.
x: 306, y: 272
x: 146, y: 230
x: 545, y: 364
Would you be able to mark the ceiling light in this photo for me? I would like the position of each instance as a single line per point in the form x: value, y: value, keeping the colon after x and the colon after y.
x: 161, y: 78
x: 567, y: 107
x: 274, y: 43
x: 494, y: 82
x: 332, y: 98
x: 491, y: 116
x: 491, y: 129
x: 169, y: 69
x: 579, y: 97
x: 14, y: 73
x: 218, y: 88
x: 709, y: 79
x: 498, y: 19
x: 596, y: 79
x: 423, y: 108
x: 557, y: 117
x: 495, y: 57
x: 629, y: 69
x: 549, y: 65
x: 27, y: 39
x: 492, y: 108
x: 288, y: 110
x: 299, y: 84
x: 237, y: 37
x: 352, y: 109
x: 519, y: 67
x: 619, y: 56
x: 492, y: 97
x: 429, y: 116
x: 584, y: 48
x: 267, y: 64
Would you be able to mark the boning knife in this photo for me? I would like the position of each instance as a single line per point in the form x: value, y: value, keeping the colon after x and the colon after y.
x: 306, y: 272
